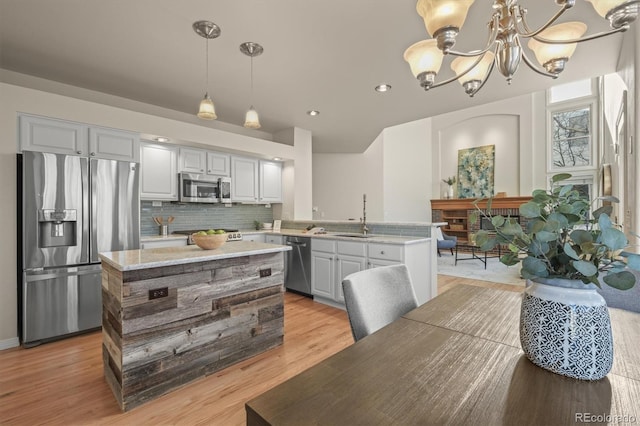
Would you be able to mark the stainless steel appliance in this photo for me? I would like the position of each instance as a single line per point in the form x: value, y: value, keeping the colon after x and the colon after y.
x: 297, y: 275
x: 71, y: 208
x: 198, y: 188
x: 232, y: 234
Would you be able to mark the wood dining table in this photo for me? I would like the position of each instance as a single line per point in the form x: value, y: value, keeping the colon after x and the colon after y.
x: 455, y: 360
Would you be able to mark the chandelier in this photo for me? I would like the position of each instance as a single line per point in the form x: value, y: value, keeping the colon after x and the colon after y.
x: 551, y: 44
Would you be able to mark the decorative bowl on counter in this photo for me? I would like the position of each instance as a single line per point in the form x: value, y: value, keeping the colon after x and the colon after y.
x: 267, y: 225
x: 209, y: 242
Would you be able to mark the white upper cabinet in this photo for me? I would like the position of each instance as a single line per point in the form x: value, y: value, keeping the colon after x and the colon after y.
x: 218, y: 164
x: 270, y: 182
x: 193, y: 160
x: 114, y: 144
x: 49, y: 135
x: 201, y: 161
x: 159, y: 174
x: 44, y: 134
x: 244, y: 179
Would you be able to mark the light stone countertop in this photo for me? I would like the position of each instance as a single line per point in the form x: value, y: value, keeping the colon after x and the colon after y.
x: 129, y: 260
x: 333, y: 235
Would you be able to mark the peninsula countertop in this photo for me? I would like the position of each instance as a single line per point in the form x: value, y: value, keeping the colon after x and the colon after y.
x: 129, y: 260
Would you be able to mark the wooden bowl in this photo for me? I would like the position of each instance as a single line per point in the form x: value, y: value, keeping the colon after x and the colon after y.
x: 209, y: 242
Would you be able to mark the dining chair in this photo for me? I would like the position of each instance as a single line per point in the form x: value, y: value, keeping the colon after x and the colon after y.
x: 376, y: 297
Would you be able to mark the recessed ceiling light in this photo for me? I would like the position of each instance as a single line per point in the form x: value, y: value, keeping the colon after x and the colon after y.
x: 383, y: 88
x: 277, y: 158
x: 313, y: 112
x: 161, y: 139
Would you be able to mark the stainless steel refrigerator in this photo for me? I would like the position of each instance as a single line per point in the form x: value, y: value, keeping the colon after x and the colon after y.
x: 72, y: 208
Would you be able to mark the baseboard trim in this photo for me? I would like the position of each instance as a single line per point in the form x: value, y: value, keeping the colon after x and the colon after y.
x: 9, y: 343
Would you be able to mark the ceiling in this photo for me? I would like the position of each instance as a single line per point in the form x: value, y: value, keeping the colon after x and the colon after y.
x: 324, y: 55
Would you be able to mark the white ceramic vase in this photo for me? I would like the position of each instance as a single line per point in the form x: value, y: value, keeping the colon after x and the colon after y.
x: 565, y: 328
x: 450, y: 192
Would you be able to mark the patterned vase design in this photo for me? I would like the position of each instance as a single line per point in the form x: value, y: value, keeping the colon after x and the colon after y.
x: 565, y: 328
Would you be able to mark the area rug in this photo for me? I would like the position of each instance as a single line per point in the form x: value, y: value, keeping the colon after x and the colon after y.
x: 474, y: 269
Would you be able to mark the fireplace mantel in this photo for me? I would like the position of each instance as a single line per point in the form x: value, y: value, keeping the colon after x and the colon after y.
x: 467, y: 203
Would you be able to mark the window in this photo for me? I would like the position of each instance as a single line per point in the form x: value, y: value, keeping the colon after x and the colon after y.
x: 571, y: 142
x: 572, y: 132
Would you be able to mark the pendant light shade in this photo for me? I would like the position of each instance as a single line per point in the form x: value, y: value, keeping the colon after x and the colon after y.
x: 208, y: 30
x: 251, y: 49
x: 207, y: 110
x: 251, y: 120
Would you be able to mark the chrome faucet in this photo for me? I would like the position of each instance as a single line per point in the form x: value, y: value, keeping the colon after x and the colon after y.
x: 363, y: 222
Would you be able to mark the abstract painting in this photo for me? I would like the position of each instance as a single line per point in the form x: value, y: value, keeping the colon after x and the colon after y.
x: 475, y: 171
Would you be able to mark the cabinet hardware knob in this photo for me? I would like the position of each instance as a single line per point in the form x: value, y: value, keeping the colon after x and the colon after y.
x: 78, y: 152
x: 381, y: 251
x: 93, y: 154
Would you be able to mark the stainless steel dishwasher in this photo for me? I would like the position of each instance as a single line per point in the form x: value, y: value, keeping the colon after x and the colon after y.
x: 298, y: 265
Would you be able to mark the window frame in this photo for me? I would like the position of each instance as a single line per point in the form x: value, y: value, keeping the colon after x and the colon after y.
x: 590, y: 103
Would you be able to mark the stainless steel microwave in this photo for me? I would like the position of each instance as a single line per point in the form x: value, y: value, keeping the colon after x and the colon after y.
x: 198, y: 188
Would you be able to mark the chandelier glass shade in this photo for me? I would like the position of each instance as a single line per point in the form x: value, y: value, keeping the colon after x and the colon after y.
x: 551, y: 44
x: 207, y: 110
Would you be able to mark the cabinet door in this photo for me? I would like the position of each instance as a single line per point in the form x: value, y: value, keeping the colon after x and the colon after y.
x: 218, y: 164
x: 346, y: 265
x: 270, y: 182
x: 192, y: 160
x: 114, y: 144
x: 48, y: 135
x: 259, y: 238
x: 159, y: 176
x: 244, y: 179
x: 322, y: 274
x: 273, y: 239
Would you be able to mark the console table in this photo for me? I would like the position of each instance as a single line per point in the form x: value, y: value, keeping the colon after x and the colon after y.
x: 454, y: 360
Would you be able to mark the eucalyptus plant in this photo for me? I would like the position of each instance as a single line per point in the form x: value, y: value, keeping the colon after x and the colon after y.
x: 563, y: 238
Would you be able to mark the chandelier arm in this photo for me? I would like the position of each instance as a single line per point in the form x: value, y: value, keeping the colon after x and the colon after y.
x: 454, y: 78
x: 530, y: 33
x: 535, y: 68
x: 493, y: 35
x: 581, y: 39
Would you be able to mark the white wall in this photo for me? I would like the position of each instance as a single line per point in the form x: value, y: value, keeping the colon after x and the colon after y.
x: 406, y: 172
x: 17, y: 99
x: 506, y: 124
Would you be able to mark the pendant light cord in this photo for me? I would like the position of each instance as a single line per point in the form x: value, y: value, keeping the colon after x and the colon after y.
x: 251, y: 100
x: 207, y: 67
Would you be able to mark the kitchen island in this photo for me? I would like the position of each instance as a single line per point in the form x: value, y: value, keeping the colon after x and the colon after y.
x: 172, y: 315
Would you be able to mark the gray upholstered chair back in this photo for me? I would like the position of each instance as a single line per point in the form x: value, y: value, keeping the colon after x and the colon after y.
x: 629, y: 300
x: 376, y: 297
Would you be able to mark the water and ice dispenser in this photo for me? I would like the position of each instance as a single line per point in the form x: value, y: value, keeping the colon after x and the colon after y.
x: 57, y: 228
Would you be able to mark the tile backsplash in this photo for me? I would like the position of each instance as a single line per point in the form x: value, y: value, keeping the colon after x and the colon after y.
x: 202, y: 216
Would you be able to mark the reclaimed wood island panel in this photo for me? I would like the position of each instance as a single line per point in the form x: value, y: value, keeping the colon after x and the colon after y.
x: 173, y: 315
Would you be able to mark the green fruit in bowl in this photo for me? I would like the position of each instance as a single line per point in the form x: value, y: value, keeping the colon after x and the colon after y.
x: 220, y: 231
x: 201, y: 233
x: 211, y: 232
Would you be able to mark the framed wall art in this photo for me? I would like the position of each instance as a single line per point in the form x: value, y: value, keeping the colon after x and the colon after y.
x: 476, y: 171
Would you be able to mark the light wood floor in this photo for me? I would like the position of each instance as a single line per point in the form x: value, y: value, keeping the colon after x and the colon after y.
x: 61, y: 383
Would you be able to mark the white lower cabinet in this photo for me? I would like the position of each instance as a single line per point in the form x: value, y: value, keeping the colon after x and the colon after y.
x: 152, y: 244
x: 273, y: 239
x: 331, y: 261
x: 259, y: 238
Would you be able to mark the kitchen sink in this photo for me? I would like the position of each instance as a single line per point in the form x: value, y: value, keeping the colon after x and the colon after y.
x: 354, y: 235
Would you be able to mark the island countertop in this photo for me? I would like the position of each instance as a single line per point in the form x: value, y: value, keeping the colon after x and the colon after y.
x: 129, y: 260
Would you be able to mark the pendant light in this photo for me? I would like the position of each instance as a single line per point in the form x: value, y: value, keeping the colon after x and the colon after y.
x: 208, y: 30
x: 251, y: 121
